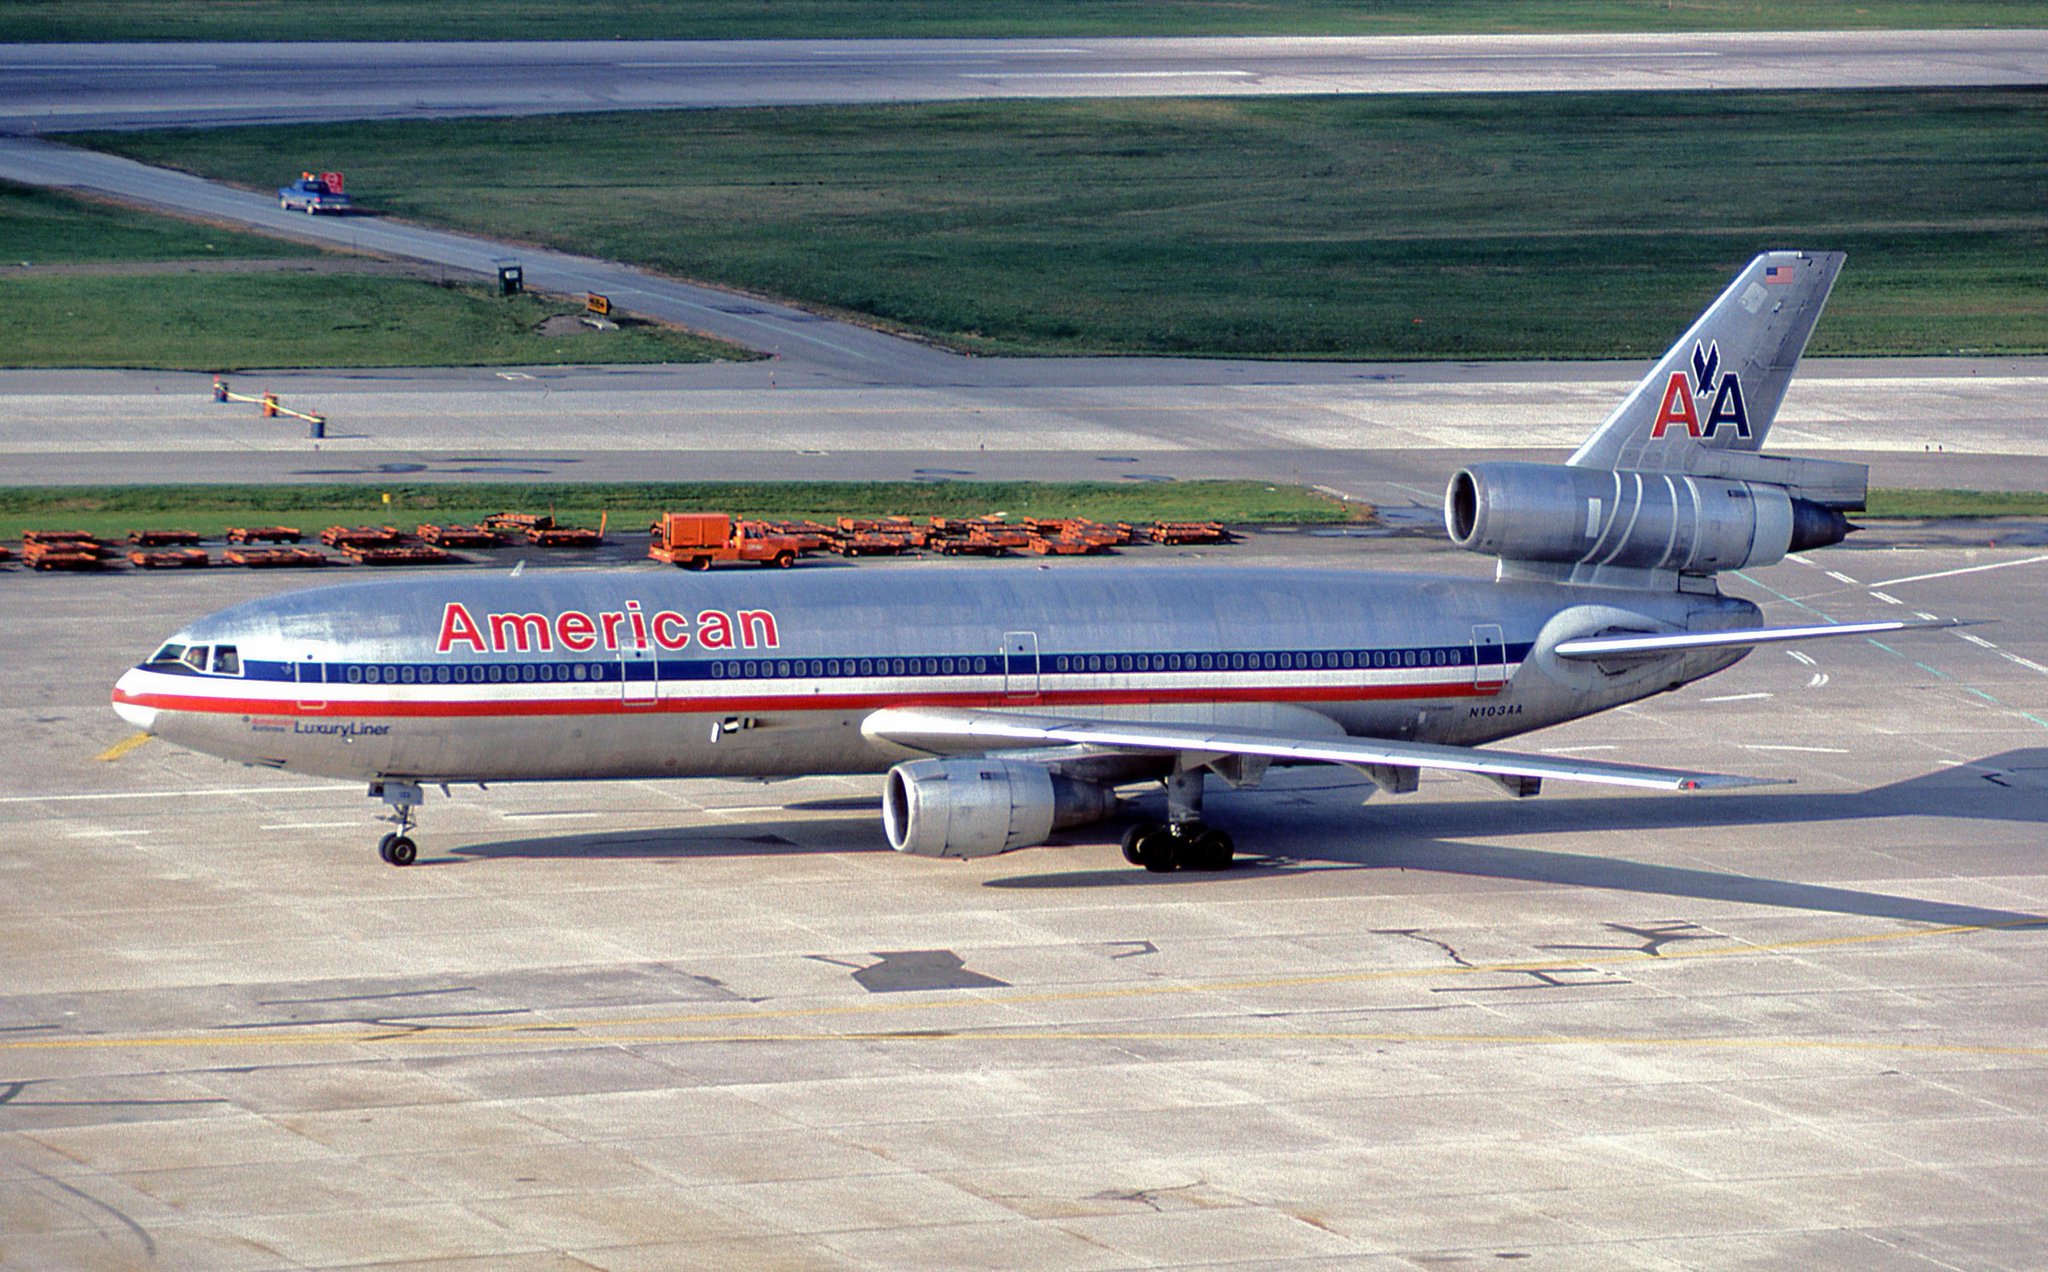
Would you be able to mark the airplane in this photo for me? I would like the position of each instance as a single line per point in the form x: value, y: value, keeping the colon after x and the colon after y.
x: 1005, y: 705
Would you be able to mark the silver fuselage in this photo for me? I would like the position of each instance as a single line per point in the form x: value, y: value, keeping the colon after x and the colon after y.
x: 645, y: 673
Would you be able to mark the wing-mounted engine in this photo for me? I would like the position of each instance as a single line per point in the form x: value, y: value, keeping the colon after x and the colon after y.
x: 981, y: 807
x: 1632, y: 528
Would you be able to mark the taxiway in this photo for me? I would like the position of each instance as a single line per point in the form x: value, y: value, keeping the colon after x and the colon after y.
x: 649, y: 1024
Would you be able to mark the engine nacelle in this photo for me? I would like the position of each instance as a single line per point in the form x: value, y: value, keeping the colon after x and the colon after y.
x: 1634, y: 520
x: 978, y: 808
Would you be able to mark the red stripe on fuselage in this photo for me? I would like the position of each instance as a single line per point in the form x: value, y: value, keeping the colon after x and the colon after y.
x: 455, y: 708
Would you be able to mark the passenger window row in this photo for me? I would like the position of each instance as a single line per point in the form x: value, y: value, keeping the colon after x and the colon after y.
x: 225, y: 660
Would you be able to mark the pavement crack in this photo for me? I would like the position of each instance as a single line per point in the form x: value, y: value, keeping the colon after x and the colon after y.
x: 1416, y: 934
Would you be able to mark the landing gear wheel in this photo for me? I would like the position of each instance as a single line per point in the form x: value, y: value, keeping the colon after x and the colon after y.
x: 1157, y: 849
x: 1209, y: 850
x: 1131, y: 837
x: 402, y: 851
x: 384, y: 847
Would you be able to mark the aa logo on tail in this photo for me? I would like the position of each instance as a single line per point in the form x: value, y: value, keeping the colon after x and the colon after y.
x: 1680, y: 393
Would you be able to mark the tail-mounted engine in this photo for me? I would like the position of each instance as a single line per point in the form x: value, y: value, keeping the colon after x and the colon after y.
x: 1670, y: 523
x: 978, y: 808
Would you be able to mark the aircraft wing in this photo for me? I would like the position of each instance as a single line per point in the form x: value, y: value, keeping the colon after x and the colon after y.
x: 1652, y: 644
x: 942, y: 730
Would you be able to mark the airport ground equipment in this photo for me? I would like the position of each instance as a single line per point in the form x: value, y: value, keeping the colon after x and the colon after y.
x: 363, y: 536
x: 169, y: 558
x: 697, y: 540
x: 458, y: 536
x: 274, y: 558
x: 163, y: 538
x: 394, y: 553
x: 61, y: 550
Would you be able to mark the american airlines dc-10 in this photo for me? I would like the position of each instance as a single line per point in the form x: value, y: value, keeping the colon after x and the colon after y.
x: 1007, y: 704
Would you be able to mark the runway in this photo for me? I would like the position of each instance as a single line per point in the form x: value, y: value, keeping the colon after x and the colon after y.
x: 661, y: 1024
x: 1388, y: 433
x: 52, y: 88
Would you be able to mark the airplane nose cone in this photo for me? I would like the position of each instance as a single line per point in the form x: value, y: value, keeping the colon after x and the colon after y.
x: 125, y: 705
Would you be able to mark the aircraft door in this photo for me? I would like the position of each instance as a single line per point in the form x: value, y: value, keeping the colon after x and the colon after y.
x: 1489, y: 657
x: 312, y: 678
x: 639, y: 676
x: 1020, y: 666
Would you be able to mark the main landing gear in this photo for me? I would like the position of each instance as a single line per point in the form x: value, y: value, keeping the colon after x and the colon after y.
x: 1182, y: 841
x: 1164, y: 846
x: 397, y: 848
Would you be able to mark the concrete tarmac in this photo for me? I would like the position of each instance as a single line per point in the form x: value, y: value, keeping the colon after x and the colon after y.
x: 660, y: 1024
x: 1389, y: 433
x: 51, y: 88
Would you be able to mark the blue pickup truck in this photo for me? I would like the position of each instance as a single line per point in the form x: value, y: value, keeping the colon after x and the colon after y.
x: 314, y: 193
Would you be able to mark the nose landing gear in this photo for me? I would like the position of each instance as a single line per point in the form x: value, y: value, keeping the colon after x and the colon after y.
x: 397, y: 848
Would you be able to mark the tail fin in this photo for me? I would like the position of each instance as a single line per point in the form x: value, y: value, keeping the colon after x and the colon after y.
x: 1719, y: 387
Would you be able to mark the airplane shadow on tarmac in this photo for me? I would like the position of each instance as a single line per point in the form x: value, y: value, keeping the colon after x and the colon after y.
x: 1425, y: 835
x: 737, y: 839
x: 2011, y: 787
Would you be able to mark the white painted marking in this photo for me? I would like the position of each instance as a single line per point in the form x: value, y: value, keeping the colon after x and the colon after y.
x: 551, y: 816
x: 1539, y: 57
x: 513, y: 375
x: 1976, y: 640
x: 1804, y: 659
x: 2028, y: 663
x: 1887, y: 598
x: 1968, y: 569
x: 1819, y: 678
x: 112, y: 66
x: 1840, y: 577
x: 1808, y: 563
x: 1817, y: 750
x: 1923, y: 614
x: 1736, y: 697
x: 108, y: 834
x: 1104, y: 75
x: 1572, y: 750
x: 218, y: 790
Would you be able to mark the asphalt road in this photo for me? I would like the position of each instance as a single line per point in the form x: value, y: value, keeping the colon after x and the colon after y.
x: 669, y: 1024
x: 55, y: 87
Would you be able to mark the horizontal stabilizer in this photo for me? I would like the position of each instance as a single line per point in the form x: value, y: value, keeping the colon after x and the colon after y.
x: 942, y: 730
x: 1646, y: 646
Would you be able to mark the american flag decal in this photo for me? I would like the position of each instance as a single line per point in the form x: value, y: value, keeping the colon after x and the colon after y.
x: 1778, y: 273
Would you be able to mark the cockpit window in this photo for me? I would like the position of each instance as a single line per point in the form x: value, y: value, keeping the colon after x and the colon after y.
x: 168, y: 654
x: 226, y: 661
x: 195, y: 657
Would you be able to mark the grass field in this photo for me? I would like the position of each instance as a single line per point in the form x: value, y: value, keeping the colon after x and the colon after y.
x: 1560, y: 226
x: 1938, y: 505
x: 41, y: 227
x: 36, y: 20
x: 115, y: 510
x: 222, y: 322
